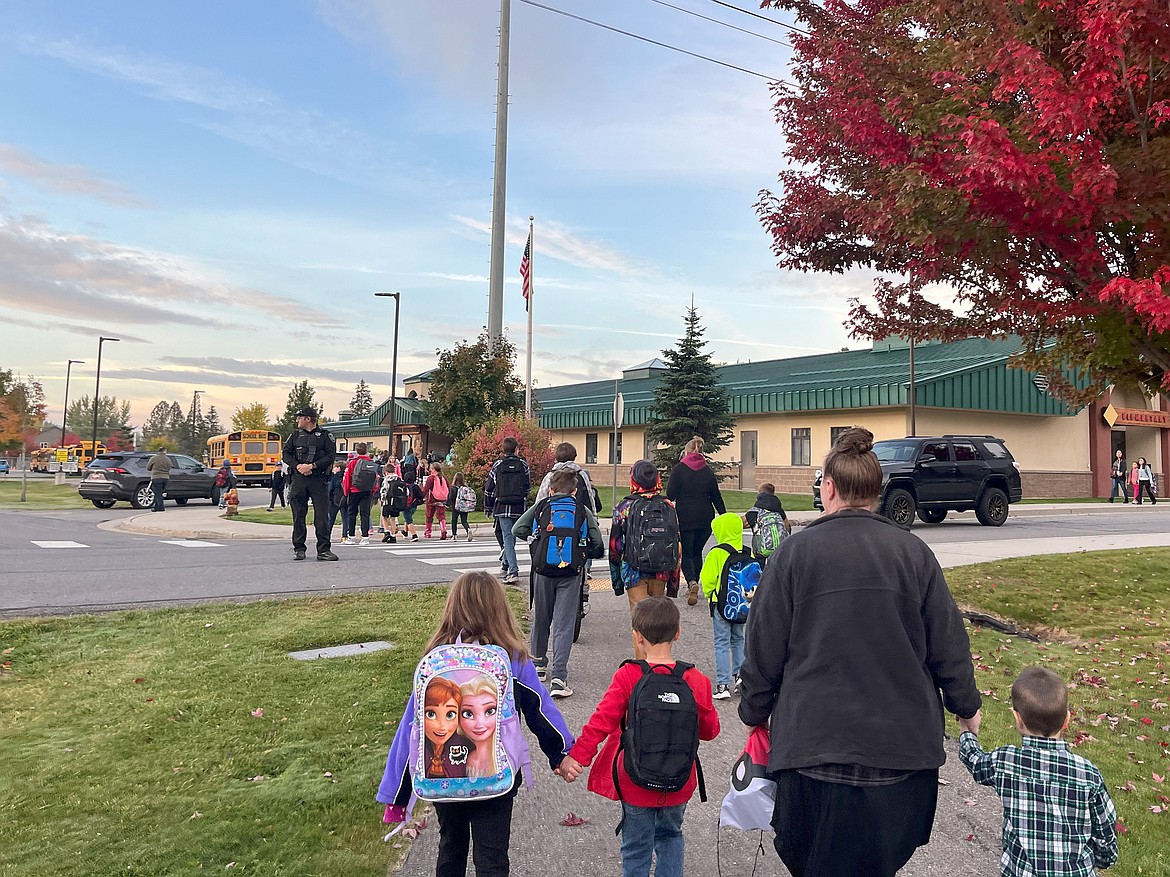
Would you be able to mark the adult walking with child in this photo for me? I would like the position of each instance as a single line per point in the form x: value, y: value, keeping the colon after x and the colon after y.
x: 850, y: 640
x: 694, y: 490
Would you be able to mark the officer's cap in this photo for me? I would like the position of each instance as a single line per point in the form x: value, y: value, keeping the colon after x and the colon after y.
x: 307, y: 412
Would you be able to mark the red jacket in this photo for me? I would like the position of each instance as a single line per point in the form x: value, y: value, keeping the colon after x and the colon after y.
x: 346, y: 487
x: 606, y: 724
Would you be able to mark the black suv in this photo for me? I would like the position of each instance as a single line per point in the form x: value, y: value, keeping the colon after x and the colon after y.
x: 928, y: 476
x: 122, y: 475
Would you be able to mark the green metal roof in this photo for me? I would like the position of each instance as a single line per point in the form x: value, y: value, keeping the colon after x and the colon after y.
x: 408, y: 412
x: 969, y: 374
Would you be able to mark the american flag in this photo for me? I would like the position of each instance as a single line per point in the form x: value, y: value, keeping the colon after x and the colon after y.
x: 526, y: 271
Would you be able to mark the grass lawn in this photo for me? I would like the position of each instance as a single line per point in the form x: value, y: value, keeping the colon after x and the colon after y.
x: 130, y: 745
x: 41, y: 494
x: 1104, y: 619
x: 735, y: 500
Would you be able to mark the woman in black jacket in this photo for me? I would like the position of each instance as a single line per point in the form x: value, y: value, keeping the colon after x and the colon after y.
x: 695, y: 493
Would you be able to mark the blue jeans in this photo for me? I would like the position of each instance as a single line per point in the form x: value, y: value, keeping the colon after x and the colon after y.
x: 728, y: 648
x: 650, y: 831
x: 1118, y: 488
x: 506, y: 524
x: 159, y: 486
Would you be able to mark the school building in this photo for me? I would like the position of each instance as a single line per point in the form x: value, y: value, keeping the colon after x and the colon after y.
x: 789, y: 411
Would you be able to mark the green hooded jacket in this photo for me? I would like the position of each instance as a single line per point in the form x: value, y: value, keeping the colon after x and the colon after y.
x: 727, y: 528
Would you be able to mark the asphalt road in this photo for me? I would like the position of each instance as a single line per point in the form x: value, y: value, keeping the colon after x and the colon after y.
x: 62, y: 561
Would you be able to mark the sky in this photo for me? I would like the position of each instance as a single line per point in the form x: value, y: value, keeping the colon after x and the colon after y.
x: 223, y: 187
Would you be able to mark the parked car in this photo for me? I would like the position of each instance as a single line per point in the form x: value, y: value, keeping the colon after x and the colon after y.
x: 122, y: 475
x: 4, y: 467
x: 928, y: 476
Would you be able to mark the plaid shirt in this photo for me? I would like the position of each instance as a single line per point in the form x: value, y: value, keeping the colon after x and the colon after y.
x: 1058, y: 818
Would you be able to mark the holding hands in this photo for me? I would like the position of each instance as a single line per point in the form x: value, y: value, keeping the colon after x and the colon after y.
x: 569, y: 769
x: 971, y: 724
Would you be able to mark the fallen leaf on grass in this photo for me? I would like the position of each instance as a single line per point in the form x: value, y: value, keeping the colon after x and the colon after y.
x: 139, y: 680
x: 258, y: 713
x: 1122, y: 828
x: 229, y: 866
x: 1158, y: 778
x: 1128, y: 787
x: 328, y: 773
x: 1157, y: 808
x: 572, y: 819
x: 195, y: 815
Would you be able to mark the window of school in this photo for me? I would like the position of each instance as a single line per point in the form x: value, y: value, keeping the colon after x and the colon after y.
x: 590, y: 447
x: 612, y: 446
x: 802, y: 447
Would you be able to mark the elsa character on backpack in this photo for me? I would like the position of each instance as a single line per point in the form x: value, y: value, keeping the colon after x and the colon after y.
x: 480, y: 698
x: 477, y: 610
x: 446, y: 752
x: 729, y: 636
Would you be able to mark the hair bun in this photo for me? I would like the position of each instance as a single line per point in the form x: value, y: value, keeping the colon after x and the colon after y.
x: 856, y: 440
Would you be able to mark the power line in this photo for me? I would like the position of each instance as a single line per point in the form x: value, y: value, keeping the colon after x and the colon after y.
x: 657, y: 43
x: 723, y: 23
x: 783, y: 24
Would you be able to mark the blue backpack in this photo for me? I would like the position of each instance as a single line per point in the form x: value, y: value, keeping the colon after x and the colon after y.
x: 737, y: 585
x: 561, y: 528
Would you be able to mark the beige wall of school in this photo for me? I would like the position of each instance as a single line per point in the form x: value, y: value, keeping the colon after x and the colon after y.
x: 1039, y: 444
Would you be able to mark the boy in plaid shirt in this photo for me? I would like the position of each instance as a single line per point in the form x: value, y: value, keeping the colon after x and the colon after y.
x: 1058, y: 818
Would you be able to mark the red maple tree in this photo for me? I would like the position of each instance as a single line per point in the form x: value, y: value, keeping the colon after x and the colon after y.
x: 1014, y: 152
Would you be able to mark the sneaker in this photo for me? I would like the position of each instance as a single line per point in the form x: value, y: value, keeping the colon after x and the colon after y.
x: 327, y: 555
x: 511, y: 578
x: 722, y: 692
x: 345, y: 540
x: 270, y: 508
x: 414, y: 538
x: 381, y: 529
x: 693, y: 594
x: 541, y: 668
x: 558, y: 688
x: 735, y: 683
x: 442, y: 537
x: 365, y: 540
x: 468, y: 537
x: 387, y: 538
x: 299, y: 554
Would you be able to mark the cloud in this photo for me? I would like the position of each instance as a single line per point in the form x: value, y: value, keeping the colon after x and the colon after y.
x: 89, y: 331
x: 68, y: 179
x: 258, y: 369
x: 47, y: 271
x: 255, y: 117
x: 558, y: 242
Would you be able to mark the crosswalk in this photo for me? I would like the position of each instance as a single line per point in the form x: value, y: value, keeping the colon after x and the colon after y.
x: 458, y: 557
x: 181, y: 543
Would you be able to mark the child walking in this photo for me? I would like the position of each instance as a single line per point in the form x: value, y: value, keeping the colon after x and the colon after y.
x: 651, y: 823
x: 436, y: 490
x: 729, y: 637
x: 1058, y: 817
x: 463, y: 501
x: 477, y: 609
x: 555, y: 599
x: 413, y: 500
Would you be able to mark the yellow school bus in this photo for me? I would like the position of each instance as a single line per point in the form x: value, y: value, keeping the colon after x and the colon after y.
x: 254, y: 454
x: 47, y: 459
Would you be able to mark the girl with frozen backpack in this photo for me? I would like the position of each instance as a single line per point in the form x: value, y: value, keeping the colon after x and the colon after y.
x: 478, y: 647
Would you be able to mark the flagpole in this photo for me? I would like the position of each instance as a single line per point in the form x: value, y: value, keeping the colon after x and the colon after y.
x: 528, y: 354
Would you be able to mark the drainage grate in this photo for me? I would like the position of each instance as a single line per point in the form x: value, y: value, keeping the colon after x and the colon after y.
x: 341, y: 651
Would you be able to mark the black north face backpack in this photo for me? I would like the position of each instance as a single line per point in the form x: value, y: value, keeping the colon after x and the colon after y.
x: 660, y: 732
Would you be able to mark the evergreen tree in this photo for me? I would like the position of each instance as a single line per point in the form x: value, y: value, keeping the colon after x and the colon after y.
x: 179, y: 429
x: 362, y: 402
x: 158, y: 424
x: 472, y: 384
x: 300, y: 396
x: 113, y: 420
x: 209, y: 425
x: 688, y: 400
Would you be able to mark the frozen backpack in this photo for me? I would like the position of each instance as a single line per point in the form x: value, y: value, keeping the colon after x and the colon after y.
x: 737, y: 584
x: 464, y: 715
x: 465, y: 498
x: 768, y: 533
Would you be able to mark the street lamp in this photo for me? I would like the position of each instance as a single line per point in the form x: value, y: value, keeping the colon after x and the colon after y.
x: 97, y: 385
x: 65, y: 413
x: 194, y: 409
x: 393, y: 366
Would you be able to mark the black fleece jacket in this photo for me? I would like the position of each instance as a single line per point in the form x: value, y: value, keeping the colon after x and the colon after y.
x: 695, y: 495
x: 851, y: 637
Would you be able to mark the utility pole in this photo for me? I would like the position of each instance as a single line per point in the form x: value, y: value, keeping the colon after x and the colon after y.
x: 495, y: 323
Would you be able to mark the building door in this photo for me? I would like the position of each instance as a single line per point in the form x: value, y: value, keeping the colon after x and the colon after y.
x: 749, y: 456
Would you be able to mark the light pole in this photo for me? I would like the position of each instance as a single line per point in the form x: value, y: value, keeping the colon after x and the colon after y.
x: 194, y: 410
x: 65, y: 412
x: 97, y: 386
x: 393, y: 367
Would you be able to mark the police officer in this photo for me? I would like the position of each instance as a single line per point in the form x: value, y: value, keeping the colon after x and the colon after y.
x: 309, y: 453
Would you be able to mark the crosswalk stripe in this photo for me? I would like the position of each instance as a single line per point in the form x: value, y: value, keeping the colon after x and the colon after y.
x: 190, y: 543
x: 57, y: 544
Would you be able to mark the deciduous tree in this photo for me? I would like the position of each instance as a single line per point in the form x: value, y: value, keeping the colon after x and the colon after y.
x: 1015, y: 152
x: 688, y: 400
x: 472, y: 384
x: 254, y: 416
x: 22, y: 410
x: 481, y: 447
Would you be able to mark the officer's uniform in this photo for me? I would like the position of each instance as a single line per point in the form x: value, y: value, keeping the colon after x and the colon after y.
x: 319, y: 448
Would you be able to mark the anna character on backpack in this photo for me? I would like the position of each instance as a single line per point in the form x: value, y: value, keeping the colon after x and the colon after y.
x: 645, y: 556
x: 651, y: 720
x: 477, y: 611
x: 436, y: 490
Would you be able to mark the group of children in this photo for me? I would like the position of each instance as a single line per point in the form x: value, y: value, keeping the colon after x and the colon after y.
x: 1058, y: 816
